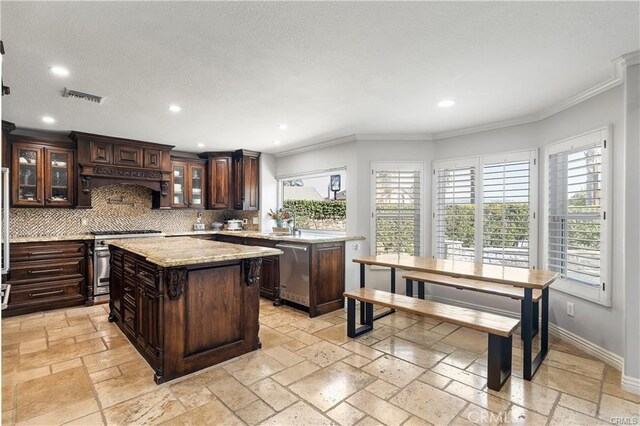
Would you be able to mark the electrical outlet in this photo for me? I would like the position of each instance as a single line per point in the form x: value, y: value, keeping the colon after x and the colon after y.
x: 84, y: 221
x: 571, y: 309
x: 356, y: 246
x: 256, y: 220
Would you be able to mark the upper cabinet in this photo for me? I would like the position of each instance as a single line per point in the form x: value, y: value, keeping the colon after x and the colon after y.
x: 188, y: 182
x: 42, y: 173
x: 219, y: 178
x: 246, y: 180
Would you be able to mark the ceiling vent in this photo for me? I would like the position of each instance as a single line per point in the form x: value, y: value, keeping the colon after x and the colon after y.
x: 68, y: 93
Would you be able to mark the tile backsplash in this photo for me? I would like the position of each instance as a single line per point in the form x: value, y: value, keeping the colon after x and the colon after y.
x: 136, y: 213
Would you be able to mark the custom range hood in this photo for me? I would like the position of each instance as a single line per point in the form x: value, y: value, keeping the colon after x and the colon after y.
x: 104, y: 160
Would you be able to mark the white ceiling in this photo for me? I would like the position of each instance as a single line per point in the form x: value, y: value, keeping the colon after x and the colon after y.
x: 326, y: 69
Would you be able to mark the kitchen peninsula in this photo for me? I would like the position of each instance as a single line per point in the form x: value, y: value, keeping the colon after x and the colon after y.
x: 186, y: 303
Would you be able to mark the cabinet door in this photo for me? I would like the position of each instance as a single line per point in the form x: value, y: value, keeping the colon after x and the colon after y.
x: 251, y: 183
x: 179, y: 185
x: 196, y: 186
x: 27, y: 175
x: 124, y: 155
x: 238, y: 183
x: 58, y: 182
x: 220, y: 192
x: 148, y: 324
x: 116, y: 286
x: 152, y: 158
x: 101, y: 152
x: 270, y: 277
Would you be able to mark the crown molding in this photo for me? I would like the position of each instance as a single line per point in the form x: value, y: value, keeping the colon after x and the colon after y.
x: 315, y: 146
x: 487, y: 126
x: 394, y: 136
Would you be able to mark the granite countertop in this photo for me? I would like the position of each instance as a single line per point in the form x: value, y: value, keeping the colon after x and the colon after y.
x: 306, y: 237
x: 44, y: 238
x: 183, y: 251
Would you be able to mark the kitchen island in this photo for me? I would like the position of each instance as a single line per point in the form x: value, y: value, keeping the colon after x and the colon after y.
x: 185, y: 303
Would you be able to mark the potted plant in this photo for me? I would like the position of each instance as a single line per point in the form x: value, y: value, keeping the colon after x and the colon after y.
x: 282, y: 218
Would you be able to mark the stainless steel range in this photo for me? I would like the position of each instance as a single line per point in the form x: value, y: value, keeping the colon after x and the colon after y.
x: 101, y: 254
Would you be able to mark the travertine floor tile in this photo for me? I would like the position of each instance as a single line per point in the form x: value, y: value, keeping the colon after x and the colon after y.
x: 34, y: 345
x: 444, y: 328
x: 42, y: 395
x: 571, y: 383
x: 298, y: 413
x: 369, y: 421
x: 564, y: 416
x: 254, y: 366
x: 323, y: 353
x: 211, y: 414
x: 193, y: 392
x: 311, y: 325
x: 356, y: 360
x: 577, y: 404
x: 575, y: 364
x: 277, y: 396
x: 429, y: 403
x: 478, y: 397
x: 327, y: 387
x: 64, y: 414
x: 382, y: 389
x: 467, y: 339
x: 255, y: 412
x: 270, y: 338
x: 393, y: 370
x: 378, y: 408
x: 284, y: 356
x: 460, y: 375
x: 336, y: 334
x: 292, y: 374
x: 397, y: 321
x: 345, y: 414
x: 434, y: 379
x: 94, y: 419
x: 155, y: 407
x: 56, y: 354
x: 528, y: 394
x: 612, y: 408
x: 362, y: 350
x: 126, y: 386
x: 419, y: 335
x: 409, y: 351
x: 232, y: 393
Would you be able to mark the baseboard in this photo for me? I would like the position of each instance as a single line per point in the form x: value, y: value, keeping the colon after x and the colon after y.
x: 630, y: 384
x: 615, y: 361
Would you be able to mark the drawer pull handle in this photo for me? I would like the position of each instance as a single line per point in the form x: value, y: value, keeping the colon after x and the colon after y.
x: 128, y: 288
x: 128, y: 319
x: 46, y: 293
x: 143, y: 273
x: 42, y: 253
x: 45, y: 271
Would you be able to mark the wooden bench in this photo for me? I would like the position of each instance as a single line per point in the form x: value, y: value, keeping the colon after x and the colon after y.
x: 500, y: 329
x: 480, y: 286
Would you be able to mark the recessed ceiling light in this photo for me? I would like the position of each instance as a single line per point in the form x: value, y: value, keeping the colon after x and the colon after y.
x: 48, y: 120
x: 59, y: 71
x: 276, y: 142
x: 174, y: 108
x: 283, y: 127
x: 446, y: 103
x: 200, y: 145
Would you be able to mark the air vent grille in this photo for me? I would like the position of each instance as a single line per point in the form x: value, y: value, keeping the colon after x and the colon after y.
x: 68, y: 93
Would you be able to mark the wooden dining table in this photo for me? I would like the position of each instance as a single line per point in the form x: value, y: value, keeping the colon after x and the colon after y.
x: 527, y: 279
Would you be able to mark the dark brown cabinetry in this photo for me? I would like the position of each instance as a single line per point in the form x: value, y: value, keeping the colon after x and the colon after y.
x: 219, y: 176
x: 246, y: 180
x: 136, y: 301
x: 48, y: 275
x: 43, y: 173
x: 188, y: 182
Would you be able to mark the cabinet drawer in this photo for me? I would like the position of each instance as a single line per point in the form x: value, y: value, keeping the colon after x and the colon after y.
x: 146, y: 273
x: 128, y: 317
x: 24, y: 252
x: 129, y: 265
x: 127, y: 156
x: 46, y: 271
x: 46, y: 292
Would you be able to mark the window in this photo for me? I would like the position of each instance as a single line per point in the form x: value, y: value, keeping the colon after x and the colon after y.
x: 577, y: 228
x: 484, y: 209
x: 318, y: 199
x: 396, y: 207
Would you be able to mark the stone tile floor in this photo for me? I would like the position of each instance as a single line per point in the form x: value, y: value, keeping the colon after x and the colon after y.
x: 73, y: 367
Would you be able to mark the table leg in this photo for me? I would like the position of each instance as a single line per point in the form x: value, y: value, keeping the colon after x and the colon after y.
x: 393, y: 290
x: 409, y: 288
x: 530, y: 366
x: 362, y: 308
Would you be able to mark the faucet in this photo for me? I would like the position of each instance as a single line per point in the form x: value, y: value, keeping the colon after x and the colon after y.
x: 295, y: 231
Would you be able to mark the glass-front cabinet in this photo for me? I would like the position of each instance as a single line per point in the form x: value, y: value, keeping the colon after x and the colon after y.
x: 42, y: 176
x: 188, y: 184
x: 179, y: 183
x: 196, y: 172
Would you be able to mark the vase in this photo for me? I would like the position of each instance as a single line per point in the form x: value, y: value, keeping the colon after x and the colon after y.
x: 279, y: 223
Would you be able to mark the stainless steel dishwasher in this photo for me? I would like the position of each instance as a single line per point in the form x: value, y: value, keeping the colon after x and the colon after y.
x: 294, y: 273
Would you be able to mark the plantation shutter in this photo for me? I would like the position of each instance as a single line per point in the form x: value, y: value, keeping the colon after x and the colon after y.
x: 396, y: 207
x: 577, y: 226
x: 455, y: 212
x: 506, y: 213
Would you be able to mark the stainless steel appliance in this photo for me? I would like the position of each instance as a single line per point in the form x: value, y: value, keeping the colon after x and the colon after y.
x: 234, y: 225
x: 294, y: 273
x: 101, y: 255
x: 6, y: 288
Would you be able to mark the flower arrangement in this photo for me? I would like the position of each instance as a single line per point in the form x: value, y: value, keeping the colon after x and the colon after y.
x: 281, y: 216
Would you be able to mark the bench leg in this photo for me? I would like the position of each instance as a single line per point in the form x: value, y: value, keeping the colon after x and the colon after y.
x: 367, y: 326
x: 499, y: 362
x: 393, y: 290
x: 409, y: 288
x: 421, y: 290
x: 535, y: 318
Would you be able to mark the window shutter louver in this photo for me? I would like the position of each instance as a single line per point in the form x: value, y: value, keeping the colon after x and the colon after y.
x: 397, y: 209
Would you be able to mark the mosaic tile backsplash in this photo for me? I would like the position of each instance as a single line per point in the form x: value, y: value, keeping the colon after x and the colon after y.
x: 135, y: 214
